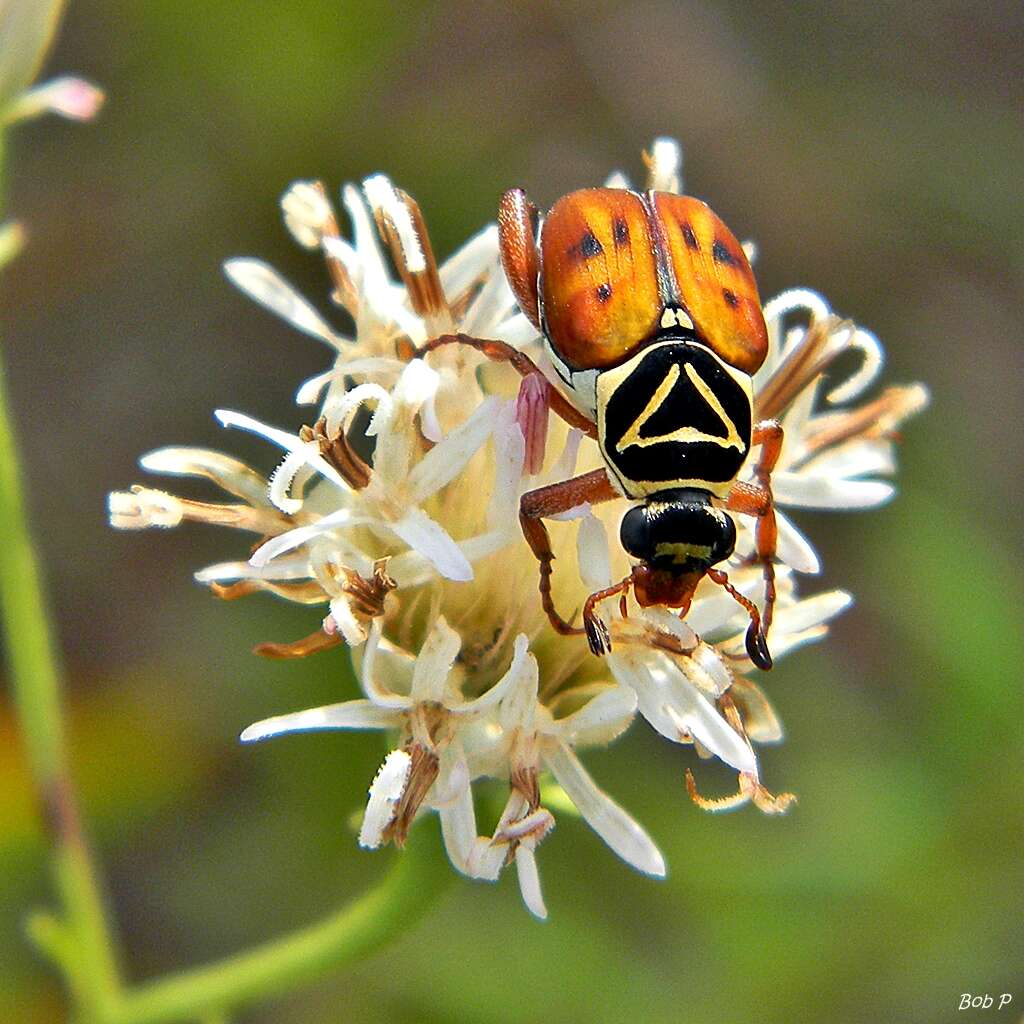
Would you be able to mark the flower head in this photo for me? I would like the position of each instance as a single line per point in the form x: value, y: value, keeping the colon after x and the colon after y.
x: 395, y: 509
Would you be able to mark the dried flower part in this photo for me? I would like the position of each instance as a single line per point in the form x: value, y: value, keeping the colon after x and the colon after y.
x: 397, y: 512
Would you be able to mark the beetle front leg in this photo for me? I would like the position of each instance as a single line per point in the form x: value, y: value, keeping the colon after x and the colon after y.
x: 502, y: 352
x: 755, y: 499
x: 548, y: 501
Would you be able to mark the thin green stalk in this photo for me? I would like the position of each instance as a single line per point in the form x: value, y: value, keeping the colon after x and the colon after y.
x: 78, y: 938
x: 392, y: 907
x: 36, y: 685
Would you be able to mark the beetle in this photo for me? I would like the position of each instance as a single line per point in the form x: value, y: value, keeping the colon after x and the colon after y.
x: 650, y: 316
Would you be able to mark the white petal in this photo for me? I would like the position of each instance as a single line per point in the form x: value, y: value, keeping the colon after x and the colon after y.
x: 576, y: 512
x: 509, y: 455
x: 453, y: 777
x: 310, y: 390
x: 351, y: 714
x: 795, y: 419
x: 519, y: 691
x: 874, y: 357
x: 385, y: 792
x: 676, y: 708
x: 392, y: 696
x: 380, y: 367
x: 352, y: 629
x: 529, y: 881
x: 340, y: 409
x: 857, y: 458
x: 393, y: 427
x: 806, y: 491
x: 468, y: 264
x: 592, y: 554
x: 411, y: 569
x: 485, y: 859
x: 604, y: 816
x: 373, y: 270
x: 522, y: 673
x: 669, y: 622
x: 602, y: 719
x: 262, y: 283
x: 68, y: 96
x: 458, y: 829
x: 812, y: 611
x: 434, y: 663
x: 517, y: 331
x: 445, y: 461
x: 717, y: 610
x: 424, y: 535
x: 292, y: 539
x: 759, y: 718
x: 430, y: 425
x: 490, y: 306
x: 381, y: 196
x: 565, y: 467
x: 785, y: 643
x: 340, y: 250
x: 711, y: 675
x: 290, y: 442
x: 283, y: 477
x: 796, y: 299
x: 665, y: 166
x: 793, y: 548
x: 233, y: 476
x: 283, y: 569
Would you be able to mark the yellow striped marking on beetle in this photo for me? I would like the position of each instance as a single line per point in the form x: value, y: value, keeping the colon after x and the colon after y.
x: 686, y: 434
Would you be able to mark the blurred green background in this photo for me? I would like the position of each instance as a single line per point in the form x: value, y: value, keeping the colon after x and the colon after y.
x: 874, y: 152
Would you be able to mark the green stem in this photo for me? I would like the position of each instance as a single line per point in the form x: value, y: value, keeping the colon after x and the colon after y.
x: 392, y: 907
x: 80, y: 941
x: 36, y: 685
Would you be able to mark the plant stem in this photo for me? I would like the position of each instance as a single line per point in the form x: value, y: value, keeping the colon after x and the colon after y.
x: 36, y: 685
x: 418, y: 875
x: 79, y: 939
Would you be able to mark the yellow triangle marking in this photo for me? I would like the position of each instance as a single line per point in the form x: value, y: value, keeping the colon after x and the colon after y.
x: 687, y: 434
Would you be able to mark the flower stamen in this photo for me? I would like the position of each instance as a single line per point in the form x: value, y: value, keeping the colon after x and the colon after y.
x: 316, y: 642
x: 339, y: 453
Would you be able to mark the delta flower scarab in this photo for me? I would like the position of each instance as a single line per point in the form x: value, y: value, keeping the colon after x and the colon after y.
x: 651, y: 319
x: 690, y: 422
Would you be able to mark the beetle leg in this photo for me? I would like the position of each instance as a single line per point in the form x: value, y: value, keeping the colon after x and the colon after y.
x: 755, y: 499
x: 535, y: 506
x: 501, y: 352
x: 597, y: 632
x: 757, y: 645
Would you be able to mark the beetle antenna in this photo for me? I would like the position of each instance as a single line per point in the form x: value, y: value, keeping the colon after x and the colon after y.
x: 757, y: 642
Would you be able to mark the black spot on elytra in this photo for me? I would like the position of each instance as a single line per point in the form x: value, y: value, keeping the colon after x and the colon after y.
x: 621, y: 231
x: 690, y: 238
x: 588, y: 246
x: 604, y: 292
x: 730, y: 298
x: 722, y: 255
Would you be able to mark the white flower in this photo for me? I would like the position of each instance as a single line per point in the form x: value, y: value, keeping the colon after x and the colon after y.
x: 395, y: 509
